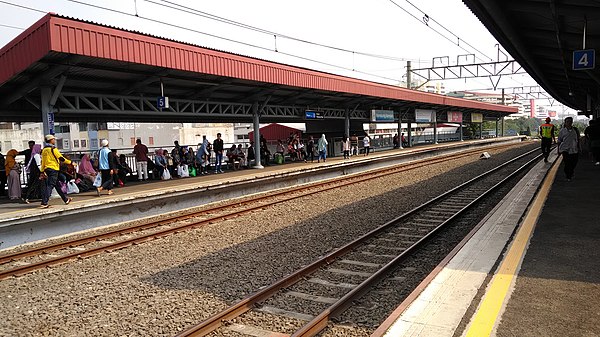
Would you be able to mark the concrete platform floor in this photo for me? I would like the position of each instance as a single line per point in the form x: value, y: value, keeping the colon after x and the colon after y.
x: 557, y: 291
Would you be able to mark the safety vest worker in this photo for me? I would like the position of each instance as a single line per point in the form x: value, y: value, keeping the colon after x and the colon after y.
x: 547, y: 129
x: 547, y: 134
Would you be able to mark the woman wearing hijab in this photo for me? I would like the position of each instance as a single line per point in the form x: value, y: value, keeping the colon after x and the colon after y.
x: 322, y: 147
x: 86, y: 169
x: 13, y: 172
x: 34, y: 185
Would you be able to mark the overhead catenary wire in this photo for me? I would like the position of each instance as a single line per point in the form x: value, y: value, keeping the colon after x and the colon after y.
x: 190, y: 10
x: 459, y: 39
x: 446, y: 29
x: 435, y: 30
x: 9, y: 26
x: 211, y: 35
x: 24, y: 7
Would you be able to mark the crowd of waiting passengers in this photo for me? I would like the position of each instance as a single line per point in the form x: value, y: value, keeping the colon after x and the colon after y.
x: 50, y: 173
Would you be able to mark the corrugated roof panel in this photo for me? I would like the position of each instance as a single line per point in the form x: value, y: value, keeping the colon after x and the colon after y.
x: 66, y: 35
x: 28, y: 47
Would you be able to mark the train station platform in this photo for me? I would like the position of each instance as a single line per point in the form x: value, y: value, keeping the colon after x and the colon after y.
x: 529, y: 269
x: 23, y: 223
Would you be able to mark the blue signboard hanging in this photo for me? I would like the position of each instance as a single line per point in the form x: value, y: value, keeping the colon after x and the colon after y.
x: 162, y: 102
x: 313, y: 114
x: 382, y: 115
x: 584, y: 59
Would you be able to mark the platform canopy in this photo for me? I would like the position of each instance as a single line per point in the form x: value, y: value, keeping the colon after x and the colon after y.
x: 91, y: 72
x: 542, y: 36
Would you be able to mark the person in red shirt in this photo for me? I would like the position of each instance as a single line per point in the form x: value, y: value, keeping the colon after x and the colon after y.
x: 141, y: 159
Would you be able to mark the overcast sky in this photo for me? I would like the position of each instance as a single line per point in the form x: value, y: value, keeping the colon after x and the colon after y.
x: 374, y: 26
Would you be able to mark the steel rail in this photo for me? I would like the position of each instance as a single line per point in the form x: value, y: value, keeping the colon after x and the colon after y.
x: 349, y: 180
x: 246, y: 304
x: 315, y: 326
x: 77, y: 242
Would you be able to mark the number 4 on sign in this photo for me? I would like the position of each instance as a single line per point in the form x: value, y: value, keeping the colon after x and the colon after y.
x: 584, y: 59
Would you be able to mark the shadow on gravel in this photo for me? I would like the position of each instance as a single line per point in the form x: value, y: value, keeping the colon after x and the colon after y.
x: 234, y: 272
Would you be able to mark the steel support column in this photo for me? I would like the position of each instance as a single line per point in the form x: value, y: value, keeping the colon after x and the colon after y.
x: 497, y: 127
x: 47, y: 113
x: 256, y: 121
x: 435, y: 135
x: 347, y: 124
x: 400, y: 130
x: 502, y: 126
x: 460, y: 130
x: 481, y: 130
x: 409, y: 130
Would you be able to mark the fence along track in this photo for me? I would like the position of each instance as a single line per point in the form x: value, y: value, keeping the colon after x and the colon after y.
x: 453, y: 203
x: 171, y: 223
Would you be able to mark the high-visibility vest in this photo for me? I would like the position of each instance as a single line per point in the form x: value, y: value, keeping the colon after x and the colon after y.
x: 546, y: 130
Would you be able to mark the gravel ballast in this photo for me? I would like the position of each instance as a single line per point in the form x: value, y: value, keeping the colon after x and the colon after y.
x: 162, y: 287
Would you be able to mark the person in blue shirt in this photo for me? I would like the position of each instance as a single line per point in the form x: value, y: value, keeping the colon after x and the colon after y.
x: 106, y: 167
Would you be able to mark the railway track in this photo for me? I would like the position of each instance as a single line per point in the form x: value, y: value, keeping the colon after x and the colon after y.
x: 26, y: 261
x: 311, y: 296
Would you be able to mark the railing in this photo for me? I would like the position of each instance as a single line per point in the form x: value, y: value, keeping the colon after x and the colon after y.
x: 378, y: 142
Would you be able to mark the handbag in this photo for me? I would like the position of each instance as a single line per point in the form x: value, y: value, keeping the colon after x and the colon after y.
x: 98, y: 181
x: 192, y: 171
x: 63, y: 187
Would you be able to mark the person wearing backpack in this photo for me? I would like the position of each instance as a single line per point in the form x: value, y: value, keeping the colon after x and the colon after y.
x: 568, y: 146
x: 51, y: 159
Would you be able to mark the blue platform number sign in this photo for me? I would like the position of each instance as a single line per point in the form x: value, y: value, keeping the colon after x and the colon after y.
x: 584, y: 59
x: 162, y: 102
x: 313, y: 114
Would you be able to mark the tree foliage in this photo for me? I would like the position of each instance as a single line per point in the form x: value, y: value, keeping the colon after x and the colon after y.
x: 520, y: 125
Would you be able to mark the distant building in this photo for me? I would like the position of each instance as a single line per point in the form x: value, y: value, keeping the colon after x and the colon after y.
x: 87, y: 136
x: 494, y: 98
x: 434, y: 87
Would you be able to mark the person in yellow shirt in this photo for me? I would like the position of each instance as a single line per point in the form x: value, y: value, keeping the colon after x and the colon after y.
x: 547, y: 135
x: 51, y: 160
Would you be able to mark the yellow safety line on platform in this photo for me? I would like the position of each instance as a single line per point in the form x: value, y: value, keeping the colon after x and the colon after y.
x: 488, y: 312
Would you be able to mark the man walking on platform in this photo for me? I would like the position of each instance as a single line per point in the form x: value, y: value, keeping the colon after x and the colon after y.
x: 141, y: 159
x: 568, y: 146
x: 51, y: 160
x: 218, y: 148
x: 547, y: 135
